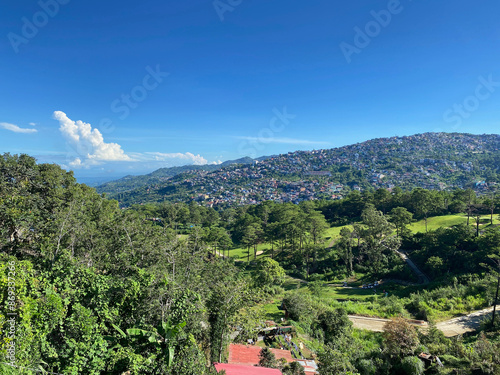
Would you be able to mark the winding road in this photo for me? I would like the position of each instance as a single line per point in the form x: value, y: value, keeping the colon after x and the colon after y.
x: 450, y: 328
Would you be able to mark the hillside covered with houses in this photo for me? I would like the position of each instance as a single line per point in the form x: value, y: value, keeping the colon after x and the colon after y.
x: 439, y: 161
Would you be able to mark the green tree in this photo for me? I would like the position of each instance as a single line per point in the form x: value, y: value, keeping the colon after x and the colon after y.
x: 491, y: 204
x: 298, y: 305
x: 267, y: 358
x: 316, y: 225
x: 269, y: 273
x: 227, y: 294
x: 335, y: 324
x: 381, y: 198
x: 422, y: 202
x: 400, y: 338
x: 490, y: 244
x: 400, y: 217
x: 252, y: 237
x: 315, y: 287
x: 435, y: 264
x: 377, y: 237
x: 294, y: 368
x: 334, y: 362
x: 219, y: 239
x: 345, y: 245
x: 412, y: 366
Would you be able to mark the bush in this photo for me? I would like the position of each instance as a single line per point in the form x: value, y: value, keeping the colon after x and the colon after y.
x: 449, y: 360
x: 412, y: 366
x: 298, y: 305
x: 334, y: 324
x: 367, y: 367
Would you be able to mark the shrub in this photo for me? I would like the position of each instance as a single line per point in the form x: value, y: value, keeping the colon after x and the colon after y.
x: 400, y: 337
x: 334, y: 324
x: 367, y: 367
x: 412, y: 366
x: 298, y: 305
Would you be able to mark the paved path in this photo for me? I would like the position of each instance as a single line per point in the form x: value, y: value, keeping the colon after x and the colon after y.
x: 332, y: 242
x: 371, y: 324
x: 450, y: 328
x: 463, y: 324
x: 422, y: 278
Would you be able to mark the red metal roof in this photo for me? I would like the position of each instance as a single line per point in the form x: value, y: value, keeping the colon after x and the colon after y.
x: 249, y: 355
x: 246, y: 370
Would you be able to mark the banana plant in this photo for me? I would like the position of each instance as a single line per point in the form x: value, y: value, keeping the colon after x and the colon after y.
x: 161, y: 337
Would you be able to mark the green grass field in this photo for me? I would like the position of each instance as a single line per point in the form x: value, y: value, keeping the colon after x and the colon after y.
x: 241, y: 253
x: 331, y: 234
x: 447, y: 221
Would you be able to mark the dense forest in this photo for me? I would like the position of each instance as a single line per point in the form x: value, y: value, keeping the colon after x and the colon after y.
x: 88, y: 287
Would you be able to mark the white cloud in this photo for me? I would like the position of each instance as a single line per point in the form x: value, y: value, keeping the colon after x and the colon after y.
x: 195, y: 159
x: 15, y: 128
x: 32, y: 123
x: 88, y: 150
x: 290, y: 141
x: 88, y: 143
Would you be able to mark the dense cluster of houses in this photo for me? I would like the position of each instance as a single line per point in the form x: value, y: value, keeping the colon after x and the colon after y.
x: 427, y: 160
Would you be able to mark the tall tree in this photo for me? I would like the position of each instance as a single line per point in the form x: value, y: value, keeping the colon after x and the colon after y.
x: 377, y: 237
x: 345, y: 245
x: 491, y: 203
x: 422, y: 202
x: 400, y: 217
x: 490, y: 244
x: 334, y: 362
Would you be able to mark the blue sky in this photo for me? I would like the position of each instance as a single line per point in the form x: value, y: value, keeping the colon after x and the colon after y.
x: 162, y: 83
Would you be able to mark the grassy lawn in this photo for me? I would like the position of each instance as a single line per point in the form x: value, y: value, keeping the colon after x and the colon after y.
x: 273, y: 312
x: 241, y: 253
x: 447, y: 221
x: 333, y: 233
x: 433, y: 223
x: 332, y: 292
x: 436, y: 222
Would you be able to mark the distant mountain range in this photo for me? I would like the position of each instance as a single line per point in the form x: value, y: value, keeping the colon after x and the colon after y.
x: 430, y: 160
x: 161, y: 175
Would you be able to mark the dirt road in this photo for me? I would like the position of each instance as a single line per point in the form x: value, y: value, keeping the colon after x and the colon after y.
x: 450, y: 328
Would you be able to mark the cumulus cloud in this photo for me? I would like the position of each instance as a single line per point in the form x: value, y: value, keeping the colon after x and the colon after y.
x: 33, y: 123
x: 88, y: 149
x: 195, y: 159
x: 88, y: 143
x: 15, y: 128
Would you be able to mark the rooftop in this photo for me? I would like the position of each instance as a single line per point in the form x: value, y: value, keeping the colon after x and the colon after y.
x: 232, y: 369
x: 249, y: 355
